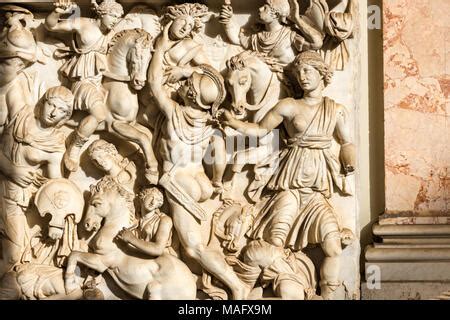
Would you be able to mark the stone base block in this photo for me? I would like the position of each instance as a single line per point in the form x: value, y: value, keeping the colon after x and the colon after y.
x: 406, y: 291
x: 410, y: 271
x: 409, y: 262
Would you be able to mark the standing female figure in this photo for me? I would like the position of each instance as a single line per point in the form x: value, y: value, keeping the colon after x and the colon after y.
x: 299, y: 211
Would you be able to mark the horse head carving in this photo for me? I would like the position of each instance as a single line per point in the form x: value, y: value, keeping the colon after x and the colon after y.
x: 109, y: 200
x: 248, y: 74
x: 129, y: 56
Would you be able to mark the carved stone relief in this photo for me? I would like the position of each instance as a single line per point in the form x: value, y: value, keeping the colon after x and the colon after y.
x: 178, y: 151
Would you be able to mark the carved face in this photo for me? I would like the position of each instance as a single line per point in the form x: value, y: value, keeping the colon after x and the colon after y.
x: 181, y: 28
x: 103, y: 160
x: 108, y: 21
x: 266, y: 14
x: 308, y: 77
x: 239, y: 82
x: 150, y: 203
x: 139, y: 59
x: 187, y: 94
x: 54, y: 111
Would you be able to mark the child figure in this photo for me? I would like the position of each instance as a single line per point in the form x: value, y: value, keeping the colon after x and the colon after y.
x: 154, y: 229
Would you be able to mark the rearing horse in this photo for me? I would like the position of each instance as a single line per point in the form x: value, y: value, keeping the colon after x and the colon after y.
x: 162, y: 278
x: 128, y: 59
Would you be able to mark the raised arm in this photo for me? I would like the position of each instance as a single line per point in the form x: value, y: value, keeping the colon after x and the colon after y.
x: 156, y: 74
x: 314, y: 37
x: 271, y: 120
x: 219, y: 154
x: 232, y: 29
x: 53, y: 23
x: 342, y: 132
x: 17, y: 97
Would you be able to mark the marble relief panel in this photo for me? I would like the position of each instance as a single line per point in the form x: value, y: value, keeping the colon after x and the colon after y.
x: 186, y: 150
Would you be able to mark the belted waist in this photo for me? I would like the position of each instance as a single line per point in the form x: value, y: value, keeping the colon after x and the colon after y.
x: 311, y: 142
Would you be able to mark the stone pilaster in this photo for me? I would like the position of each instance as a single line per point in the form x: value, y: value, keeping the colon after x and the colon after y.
x: 411, y: 255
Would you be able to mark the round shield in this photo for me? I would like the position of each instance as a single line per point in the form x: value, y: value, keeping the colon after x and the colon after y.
x: 60, y: 198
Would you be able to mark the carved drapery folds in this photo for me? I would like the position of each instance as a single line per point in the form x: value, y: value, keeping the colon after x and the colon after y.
x: 118, y: 152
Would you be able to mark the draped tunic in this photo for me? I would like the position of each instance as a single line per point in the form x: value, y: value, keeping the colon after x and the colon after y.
x: 282, y: 44
x: 302, y: 184
x: 307, y: 161
x: 85, y: 69
x: 22, y: 143
x: 148, y: 228
x: 87, y: 63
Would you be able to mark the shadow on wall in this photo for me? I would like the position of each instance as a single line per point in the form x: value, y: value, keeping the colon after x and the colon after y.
x: 376, y: 129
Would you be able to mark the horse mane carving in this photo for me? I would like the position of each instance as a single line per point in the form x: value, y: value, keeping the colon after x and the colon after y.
x: 108, y: 183
x: 141, y: 34
x: 240, y: 61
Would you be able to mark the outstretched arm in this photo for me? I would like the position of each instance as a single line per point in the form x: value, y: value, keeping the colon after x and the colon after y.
x: 232, y: 29
x: 271, y: 120
x: 53, y: 23
x: 156, y: 73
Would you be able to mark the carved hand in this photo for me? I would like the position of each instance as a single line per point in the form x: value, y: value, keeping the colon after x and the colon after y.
x: 126, y: 236
x: 295, y: 10
x: 233, y: 226
x: 226, y: 13
x: 22, y: 176
x: 163, y: 42
x: 63, y: 8
x: 274, y: 64
x: 176, y: 73
x: 227, y: 118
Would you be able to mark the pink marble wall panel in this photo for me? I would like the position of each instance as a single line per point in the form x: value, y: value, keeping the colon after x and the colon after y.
x: 417, y: 106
